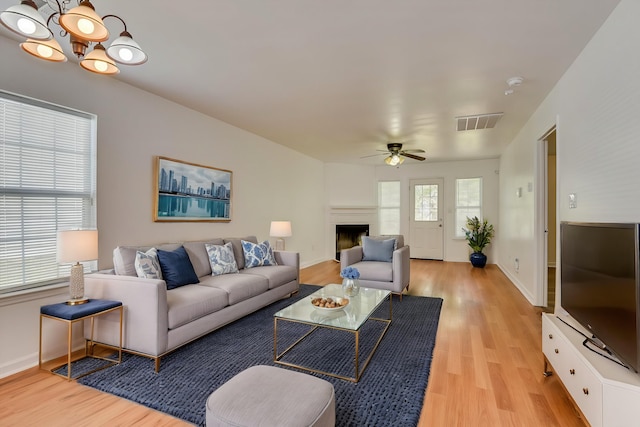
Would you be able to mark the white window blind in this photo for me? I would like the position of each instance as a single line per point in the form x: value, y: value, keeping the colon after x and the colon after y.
x: 468, y: 202
x: 47, y: 183
x: 389, y: 207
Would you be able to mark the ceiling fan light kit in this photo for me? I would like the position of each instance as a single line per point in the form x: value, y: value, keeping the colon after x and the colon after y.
x: 394, y: 160
x: 83, y: 26
x: 396, y: 155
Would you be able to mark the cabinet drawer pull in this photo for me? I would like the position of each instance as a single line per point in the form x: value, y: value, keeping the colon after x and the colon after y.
x: 585, y: 391
x: 572, y: 371
x: 557, y: 351
x: 550, y: 336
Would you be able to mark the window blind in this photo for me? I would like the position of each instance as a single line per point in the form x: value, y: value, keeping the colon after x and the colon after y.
x: 47, y: 183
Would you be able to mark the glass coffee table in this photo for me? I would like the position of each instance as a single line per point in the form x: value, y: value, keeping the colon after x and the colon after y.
x: 349, y: 319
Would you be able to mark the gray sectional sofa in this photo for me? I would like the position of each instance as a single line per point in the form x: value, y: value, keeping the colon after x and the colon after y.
x: 158, y: 321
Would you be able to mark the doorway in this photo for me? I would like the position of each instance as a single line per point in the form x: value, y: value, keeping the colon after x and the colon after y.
x: 425, y: 225
x: 547, y: 211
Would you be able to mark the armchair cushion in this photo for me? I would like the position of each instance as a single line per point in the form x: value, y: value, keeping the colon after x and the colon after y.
x: 377, y: 250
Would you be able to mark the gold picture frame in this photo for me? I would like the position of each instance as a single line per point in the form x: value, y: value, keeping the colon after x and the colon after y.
x: 188, y: 192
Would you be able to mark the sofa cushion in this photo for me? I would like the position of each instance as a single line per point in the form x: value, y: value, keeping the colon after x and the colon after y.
x: 221, y: 259
x: 198, y: 255
x: 375, y: 270
x: 239, y: 287
x: 277, y: 275
x: 176, y: 268
x: 124, y: 257
x: 377, y: 250
x: 147, y: 264
x: 257, y: 254
x: 188, y: 303
x: 237, y: 248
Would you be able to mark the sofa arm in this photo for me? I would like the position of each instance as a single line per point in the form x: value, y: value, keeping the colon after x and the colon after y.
x: 350, y: 256
x: 145, y: 311
x: 401, y: 263
x: 289, y: 258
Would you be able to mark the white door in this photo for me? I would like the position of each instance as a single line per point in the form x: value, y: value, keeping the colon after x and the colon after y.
x: 425, y: 226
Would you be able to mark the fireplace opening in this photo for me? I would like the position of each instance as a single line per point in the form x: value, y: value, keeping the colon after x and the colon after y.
x: 349, y: 235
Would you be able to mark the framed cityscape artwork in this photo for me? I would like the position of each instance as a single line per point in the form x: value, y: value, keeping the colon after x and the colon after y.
x: 191, y: 192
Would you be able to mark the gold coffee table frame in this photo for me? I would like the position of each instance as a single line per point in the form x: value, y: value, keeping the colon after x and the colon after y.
x: 367, y: 301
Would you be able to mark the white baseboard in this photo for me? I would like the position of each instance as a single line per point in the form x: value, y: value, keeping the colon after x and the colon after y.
x: 18, y: 365
x: 313, y: 262
x: 518, y: 285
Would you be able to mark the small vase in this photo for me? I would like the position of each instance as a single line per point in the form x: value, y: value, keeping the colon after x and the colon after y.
x: 478, y: 259
x: 350, y: 287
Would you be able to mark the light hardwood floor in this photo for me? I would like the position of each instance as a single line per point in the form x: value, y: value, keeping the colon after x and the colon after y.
x: 486, y: 370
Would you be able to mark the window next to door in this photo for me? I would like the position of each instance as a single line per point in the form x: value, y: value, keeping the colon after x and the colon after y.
x: 468, y: 202
x: 389, y: 207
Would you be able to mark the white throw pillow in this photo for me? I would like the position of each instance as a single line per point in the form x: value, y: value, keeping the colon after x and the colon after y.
x: 147, y: 264
x: 221, y: 259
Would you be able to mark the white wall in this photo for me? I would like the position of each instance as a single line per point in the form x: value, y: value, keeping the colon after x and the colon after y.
x: 596, y: 108
x: 349, y: 185
x: 270, y: 182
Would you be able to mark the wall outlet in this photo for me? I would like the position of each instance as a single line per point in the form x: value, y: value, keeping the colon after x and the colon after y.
x: 516, y: 264
x: 573, y: 201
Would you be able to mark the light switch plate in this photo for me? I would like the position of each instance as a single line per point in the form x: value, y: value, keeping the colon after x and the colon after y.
x: 573, y: 201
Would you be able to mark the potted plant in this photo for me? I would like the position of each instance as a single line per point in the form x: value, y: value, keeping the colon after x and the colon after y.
x: 478, y: 234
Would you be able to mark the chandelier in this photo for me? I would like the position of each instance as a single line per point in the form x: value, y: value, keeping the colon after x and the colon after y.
x: 83, y: 26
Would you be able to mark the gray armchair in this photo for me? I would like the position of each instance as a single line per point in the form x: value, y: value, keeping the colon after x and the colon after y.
x: 392, y: 275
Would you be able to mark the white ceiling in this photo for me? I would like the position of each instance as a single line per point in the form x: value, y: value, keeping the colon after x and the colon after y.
x: 338, y: 79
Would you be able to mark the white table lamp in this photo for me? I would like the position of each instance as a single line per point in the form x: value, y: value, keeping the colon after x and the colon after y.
x: 280, y: 229
x: 76, y: 246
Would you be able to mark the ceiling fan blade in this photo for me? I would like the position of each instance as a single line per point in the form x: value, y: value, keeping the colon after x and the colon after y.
x: 411, y: 156
x: 375, y: 155
x: 415, y: 150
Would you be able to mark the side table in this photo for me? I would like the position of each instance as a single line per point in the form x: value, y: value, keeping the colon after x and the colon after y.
x: 71, y: 314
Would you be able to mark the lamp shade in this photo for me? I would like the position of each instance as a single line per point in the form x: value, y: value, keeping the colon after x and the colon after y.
x: 83, y: 22
x: 280, y: 229
x: 77, y: 245
x: 126, y: 51
x: 97, y: 61
x: 24, y: 19
x: 49, y: 50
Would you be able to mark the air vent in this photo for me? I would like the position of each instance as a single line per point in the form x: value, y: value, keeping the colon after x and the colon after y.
x: 477, y: 122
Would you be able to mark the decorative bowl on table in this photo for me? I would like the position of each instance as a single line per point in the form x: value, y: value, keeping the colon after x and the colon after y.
x: 329, y: 303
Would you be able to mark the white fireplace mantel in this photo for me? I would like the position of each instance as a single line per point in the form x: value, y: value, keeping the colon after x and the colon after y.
x: 350, y: 215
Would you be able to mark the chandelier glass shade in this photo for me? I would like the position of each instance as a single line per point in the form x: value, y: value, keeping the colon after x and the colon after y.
x: 84, y: 23
x: 83, y: 26
x: 98, y: 62
x: 24, y: 19
x: 49, y: 50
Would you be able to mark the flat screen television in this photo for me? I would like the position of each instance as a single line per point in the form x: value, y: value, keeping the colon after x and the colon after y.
x: 600, y: 284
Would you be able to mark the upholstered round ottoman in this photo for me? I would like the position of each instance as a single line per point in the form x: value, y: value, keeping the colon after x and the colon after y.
x: 269, y: 396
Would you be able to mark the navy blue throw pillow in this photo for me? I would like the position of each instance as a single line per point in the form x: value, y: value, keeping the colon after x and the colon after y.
x: 377, y: 250
x: 176, y: 268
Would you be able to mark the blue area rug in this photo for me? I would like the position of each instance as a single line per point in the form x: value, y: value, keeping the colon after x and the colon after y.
x: 390, y: 392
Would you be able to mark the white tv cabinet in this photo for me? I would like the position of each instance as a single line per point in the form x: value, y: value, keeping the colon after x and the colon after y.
x: 607, y: 394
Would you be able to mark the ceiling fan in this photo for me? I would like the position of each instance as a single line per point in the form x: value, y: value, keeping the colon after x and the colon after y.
x: 396, y: 154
